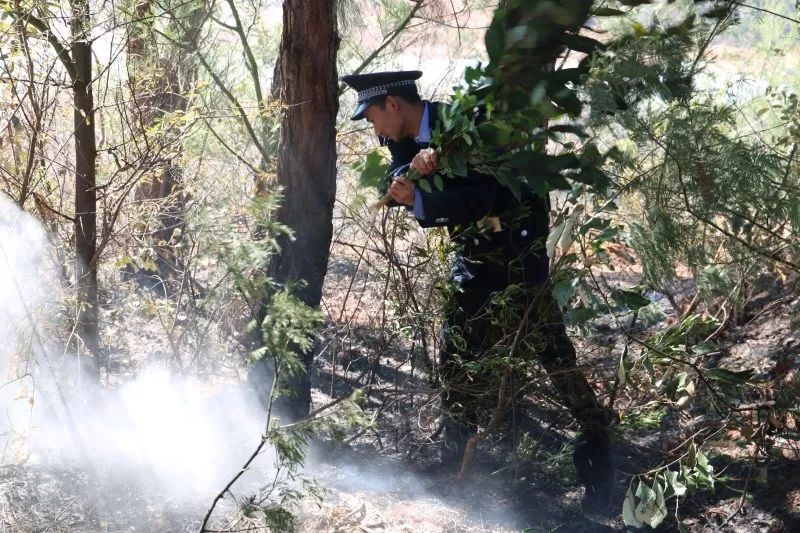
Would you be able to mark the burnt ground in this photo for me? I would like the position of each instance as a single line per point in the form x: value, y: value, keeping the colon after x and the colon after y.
x: 536, y: 490
x: 388, y: 478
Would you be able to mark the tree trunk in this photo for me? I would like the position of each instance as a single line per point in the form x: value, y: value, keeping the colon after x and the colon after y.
x: 85, y: 193
x: 307, y: 157
x: 158, y: 81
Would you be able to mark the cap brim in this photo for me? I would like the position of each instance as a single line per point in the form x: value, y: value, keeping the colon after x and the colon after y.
x: 360, y: 110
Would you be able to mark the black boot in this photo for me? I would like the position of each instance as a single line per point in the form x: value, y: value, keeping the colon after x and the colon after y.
x: 595, y: 470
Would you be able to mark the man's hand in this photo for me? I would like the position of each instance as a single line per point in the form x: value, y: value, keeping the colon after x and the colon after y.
x: 425, y: 161
x: 402, y: 190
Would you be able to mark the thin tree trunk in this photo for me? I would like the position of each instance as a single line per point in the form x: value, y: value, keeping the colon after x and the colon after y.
x: 307, y: 157
x: 158, y: 83
x: 85, y: 193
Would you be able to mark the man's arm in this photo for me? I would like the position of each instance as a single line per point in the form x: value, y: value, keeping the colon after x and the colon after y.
x: 460, y: 204
x: 463, y: 201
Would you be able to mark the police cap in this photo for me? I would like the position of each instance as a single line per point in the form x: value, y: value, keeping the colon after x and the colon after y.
x: 375, y: 85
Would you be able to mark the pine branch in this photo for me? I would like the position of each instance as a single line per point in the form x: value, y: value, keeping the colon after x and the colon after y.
x: 764, y: 10
x: 505, y: 139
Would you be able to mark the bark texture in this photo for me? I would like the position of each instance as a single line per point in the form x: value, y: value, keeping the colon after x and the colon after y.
x: 159, y: 82
x: 307, y: 155
x: 85, y: 192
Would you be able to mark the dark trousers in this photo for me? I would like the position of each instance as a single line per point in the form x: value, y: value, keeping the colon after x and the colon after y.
x: 487, y: 338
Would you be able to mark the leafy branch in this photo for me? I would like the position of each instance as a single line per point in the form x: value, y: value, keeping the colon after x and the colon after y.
x: 16, y: 13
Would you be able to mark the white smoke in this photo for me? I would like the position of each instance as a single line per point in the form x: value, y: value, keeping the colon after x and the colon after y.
x: 180, y: 438
x: 28, y: 290
x: 152, y: 452
x: 174, y: 433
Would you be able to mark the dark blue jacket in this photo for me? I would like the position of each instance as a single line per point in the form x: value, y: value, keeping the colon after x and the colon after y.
x: 489, y: 260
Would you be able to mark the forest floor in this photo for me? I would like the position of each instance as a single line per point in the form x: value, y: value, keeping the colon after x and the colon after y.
x: 388, y: 479
x: 402, y: 487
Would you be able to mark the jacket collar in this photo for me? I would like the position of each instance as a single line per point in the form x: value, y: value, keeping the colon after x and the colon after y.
x: 424, y: 135
x: 429, y: 118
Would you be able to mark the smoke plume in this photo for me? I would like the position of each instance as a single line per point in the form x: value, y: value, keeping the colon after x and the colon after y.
x: 171, y: 436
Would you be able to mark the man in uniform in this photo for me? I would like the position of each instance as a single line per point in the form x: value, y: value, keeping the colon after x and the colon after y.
x: 501, y: 259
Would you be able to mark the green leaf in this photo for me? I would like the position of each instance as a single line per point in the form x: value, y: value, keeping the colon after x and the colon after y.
x: 425, y: 185
x: 703, y: 465
x: 651, y: 508
x: 595, y: 223
x: 562, y: 162
x: 660, y: 509
x: 590, y: 155
x: 638, y: 29
x: 568, y: 101
x: 728, y: 376
x: 580, y: 43
x: 472, y: 73
x: 538, y: 186
x: 607, y: 12
x: 437, y: 182
x: 567, y: 75
x: 568, y: 128
x: 581, y: 315
x: 646, y: 498
x: 592, y: 176
x: 563, y: 292
x: 553, y: 237
x: 621, y: 372
x: 556, y: 181
x: 495, y: 39
x: 628, y: 510
x: 373, y: 170
x: 630, y: 299
x: 674, y: 485
x: 503, y: 132
x: 458, y: 164
x: 511, y: 181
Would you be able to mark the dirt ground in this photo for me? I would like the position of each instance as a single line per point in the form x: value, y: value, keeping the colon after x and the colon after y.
x: 389, y: 479
x: 542, y: 494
